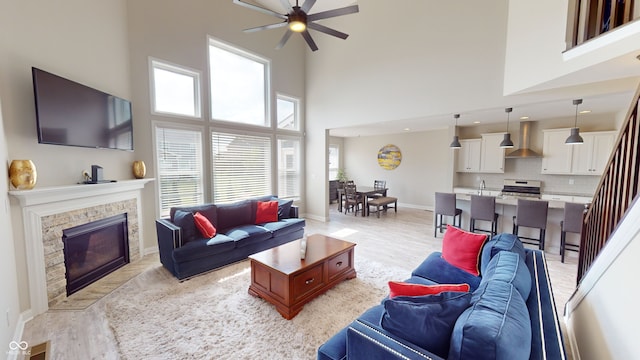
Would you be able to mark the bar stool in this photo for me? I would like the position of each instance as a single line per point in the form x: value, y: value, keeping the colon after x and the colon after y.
x: 483, y: 208
x: 573, y: 218
x: 445, y: 205
x: 532, y: 214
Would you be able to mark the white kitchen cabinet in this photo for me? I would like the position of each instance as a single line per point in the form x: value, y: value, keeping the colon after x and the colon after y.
x: 468, y: 159
x: 591, y: 157
x: 492, y: 157
x: 556, y: 155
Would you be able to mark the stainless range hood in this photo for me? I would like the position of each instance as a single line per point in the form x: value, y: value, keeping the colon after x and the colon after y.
x: 524, y: 151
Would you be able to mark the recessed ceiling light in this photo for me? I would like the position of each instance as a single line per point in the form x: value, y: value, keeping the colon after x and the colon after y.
x: 476, y: 122
x: 407, y: 129
x: 524, y: 118
x: 585, y: 111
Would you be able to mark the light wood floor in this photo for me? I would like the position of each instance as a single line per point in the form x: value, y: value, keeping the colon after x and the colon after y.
x: 403, y: 240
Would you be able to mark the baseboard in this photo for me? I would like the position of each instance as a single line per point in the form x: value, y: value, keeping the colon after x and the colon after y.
x: 573, y: 344
x: 315, y: 217
x: 149, y: 250
x: 17, y: 334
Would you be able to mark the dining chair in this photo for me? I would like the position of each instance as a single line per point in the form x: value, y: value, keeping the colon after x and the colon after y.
x: 572, y: 222
x: 352, y: 200
x: 379, y: 185
x: 532, y: 214
x: 445, y: 205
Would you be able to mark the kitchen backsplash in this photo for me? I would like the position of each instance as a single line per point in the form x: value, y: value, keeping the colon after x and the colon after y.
x: 529, y: 169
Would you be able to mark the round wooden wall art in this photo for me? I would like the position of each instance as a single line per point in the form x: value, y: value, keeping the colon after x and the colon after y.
x: 389, y: 157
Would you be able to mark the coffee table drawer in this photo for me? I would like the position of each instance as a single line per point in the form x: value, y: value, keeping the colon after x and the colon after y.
x: 339, y: 264
x: 307, y: 281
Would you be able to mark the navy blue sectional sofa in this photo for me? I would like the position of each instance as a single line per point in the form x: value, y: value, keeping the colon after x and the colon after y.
x: 185, y: 252
x: 509, y: 313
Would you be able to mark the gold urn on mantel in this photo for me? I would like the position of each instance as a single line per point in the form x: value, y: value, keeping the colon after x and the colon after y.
x: 23, y: 174
x: 139, y: 169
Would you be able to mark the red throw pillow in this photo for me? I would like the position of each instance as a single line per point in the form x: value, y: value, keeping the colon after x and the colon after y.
x: 266, y: 211
x: 397, y: 288
x: 204, y: 225
x: 462, y: 249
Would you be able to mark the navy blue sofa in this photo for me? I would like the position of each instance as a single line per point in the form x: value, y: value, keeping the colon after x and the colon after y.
x: 508, y: 314
x: 185, y: 252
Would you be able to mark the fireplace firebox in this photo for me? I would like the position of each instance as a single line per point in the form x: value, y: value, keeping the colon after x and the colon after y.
x: 95, y: 249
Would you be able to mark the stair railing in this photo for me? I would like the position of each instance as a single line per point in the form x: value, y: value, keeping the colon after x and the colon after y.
x: 615, y: 193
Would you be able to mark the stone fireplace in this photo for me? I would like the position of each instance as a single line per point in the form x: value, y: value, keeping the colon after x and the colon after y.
x: 53, y: 227
x: 94, y: 250
x: 48, y: 212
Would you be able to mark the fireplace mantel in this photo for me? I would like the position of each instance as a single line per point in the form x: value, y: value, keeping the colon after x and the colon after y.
x: 50, y: 194
x: 43, y: 202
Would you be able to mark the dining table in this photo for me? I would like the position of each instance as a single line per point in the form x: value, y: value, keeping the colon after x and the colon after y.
x: 365, y: 192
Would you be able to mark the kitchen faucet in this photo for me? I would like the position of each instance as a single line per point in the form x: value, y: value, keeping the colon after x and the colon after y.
x: 482, y: 187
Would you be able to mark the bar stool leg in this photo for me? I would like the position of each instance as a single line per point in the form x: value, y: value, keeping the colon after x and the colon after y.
x: 563, y: 238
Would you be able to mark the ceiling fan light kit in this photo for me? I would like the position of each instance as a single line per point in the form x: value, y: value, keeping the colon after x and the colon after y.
x: 298, y: 20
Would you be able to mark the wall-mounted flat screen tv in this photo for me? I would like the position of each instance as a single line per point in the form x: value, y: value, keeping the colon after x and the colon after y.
x: 69, y: 113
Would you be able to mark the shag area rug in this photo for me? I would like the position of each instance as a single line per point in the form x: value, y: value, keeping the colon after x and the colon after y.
x: 213, y: 317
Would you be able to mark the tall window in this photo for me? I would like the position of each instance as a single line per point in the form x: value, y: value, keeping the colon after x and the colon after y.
x: 239, y: 85
x: 241, y: 166
x: 287, y: 109
x: 289, y: 162
x: 179, y: 163
x: 175, y: 90
x: 334, y: 161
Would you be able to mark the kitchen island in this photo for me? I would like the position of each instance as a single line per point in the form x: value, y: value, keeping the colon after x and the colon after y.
x: 506, y: 209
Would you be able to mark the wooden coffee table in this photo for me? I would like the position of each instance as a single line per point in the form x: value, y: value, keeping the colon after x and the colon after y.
x: 279, y: 276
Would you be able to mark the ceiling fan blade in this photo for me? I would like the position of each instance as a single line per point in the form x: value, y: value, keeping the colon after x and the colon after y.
x: 333, y: 13
x: 260, y: 9
x: 307, y: 5
x: 287, y: 6
x: 309, y: 40
x: 327, y: 30
x: 284, y: 39
x: 266, y: 27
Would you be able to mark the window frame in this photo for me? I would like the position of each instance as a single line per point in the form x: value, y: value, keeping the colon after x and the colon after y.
x: 296, y: 112
x: 300, y: 164
x: 234, y: 132
x: 237, y: 50
x: 181, y: 70
x: 156, y: 160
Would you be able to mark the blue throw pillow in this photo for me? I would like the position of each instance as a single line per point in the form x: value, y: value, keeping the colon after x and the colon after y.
x: 184, y: 219
x: 438, y: 270
x: 500, y: 242
x: 284, y: 207
x: 510, y: 268
x: 496, y: 326
x: 426, y: 321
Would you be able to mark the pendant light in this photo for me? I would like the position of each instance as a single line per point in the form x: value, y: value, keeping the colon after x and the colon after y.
x: 506, y: 142
x: 575, y: 137
x: 455, y: 144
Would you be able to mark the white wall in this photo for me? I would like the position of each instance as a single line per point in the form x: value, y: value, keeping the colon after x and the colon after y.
x: 448, y: 58
x: 421, y: 173
x: 85, y: 41
x: 602, y: 316
x: 9, y: 300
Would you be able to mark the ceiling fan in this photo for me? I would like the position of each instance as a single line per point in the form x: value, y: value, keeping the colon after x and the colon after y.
x: 298, y: 20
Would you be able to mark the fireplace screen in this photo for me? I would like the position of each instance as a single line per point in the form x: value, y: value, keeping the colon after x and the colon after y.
x: 93, y: 250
